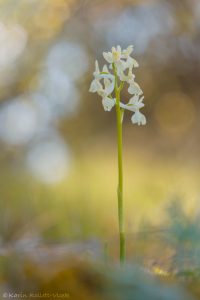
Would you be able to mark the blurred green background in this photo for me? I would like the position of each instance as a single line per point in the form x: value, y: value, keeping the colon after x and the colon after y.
x: 58, y: 155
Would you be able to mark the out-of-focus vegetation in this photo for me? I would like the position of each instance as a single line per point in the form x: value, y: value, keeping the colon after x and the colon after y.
x: 163, y: 263
x: 78, y: 280
x: 58, y: 149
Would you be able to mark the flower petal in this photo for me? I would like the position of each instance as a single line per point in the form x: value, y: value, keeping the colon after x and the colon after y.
x: 119, y: 50
x: 131, y: 62
x: 105, y: 69
x: 134, y: 88
x: 108, y: 57
x: 121, y: 65
x: 109, y: 85
x: 105, y: 73
x: 116, y: 54
x: 136, y: 102
x: 138, y: 118
x: 97, y: 67
x: 95, y: 86
x: 127, y: 51
x: 108, y: 103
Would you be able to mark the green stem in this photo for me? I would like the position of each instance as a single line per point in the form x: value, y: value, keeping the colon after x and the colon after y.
x: 120, y: 171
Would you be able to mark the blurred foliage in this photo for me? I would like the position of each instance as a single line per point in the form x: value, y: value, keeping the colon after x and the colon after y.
x: 85, y: 280
x: 159, y: 259
x: 183, y: 233
x: 179, y: 238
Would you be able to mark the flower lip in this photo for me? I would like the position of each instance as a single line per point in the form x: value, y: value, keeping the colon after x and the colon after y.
x: 108, y: 103
x: 138, y: 118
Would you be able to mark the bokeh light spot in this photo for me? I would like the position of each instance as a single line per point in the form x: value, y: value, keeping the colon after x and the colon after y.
x: 60, y: 93
x: 49, y: 161
x: 13, y: 40
x: 18, y: 122
x: 131, y: 25
x: 69, y: 57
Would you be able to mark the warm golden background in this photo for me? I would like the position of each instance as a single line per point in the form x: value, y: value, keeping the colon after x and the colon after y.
x: 58, y: 166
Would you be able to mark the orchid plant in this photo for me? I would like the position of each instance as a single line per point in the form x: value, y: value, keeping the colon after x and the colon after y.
x: 108, y: 84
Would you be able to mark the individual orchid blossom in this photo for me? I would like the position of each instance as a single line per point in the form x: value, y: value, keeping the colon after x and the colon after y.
x: 95, y: 84
x: 103, y: 91
x: 134, y: 104
x: 108, y: 85
x: 130, y: 77
x: 113, y: 56
x: 116, y: 57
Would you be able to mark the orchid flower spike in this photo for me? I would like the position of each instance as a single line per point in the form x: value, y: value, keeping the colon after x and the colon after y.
x: 105, y: 82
